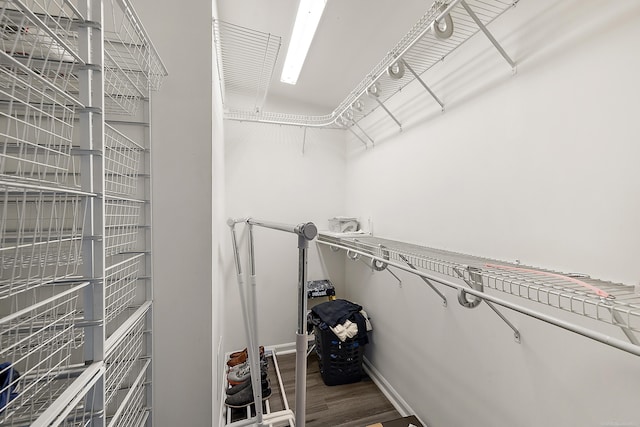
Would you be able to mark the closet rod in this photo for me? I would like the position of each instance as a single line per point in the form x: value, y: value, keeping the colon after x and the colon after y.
x: 585, y: 332
x: 307, y: 230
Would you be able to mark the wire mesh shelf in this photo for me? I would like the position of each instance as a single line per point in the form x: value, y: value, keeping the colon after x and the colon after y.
x: 418, y: 51
x: 122, y: 163
x: 122, y: 218
x: 608, y: 302
x: 123, y: 356
x: 40, y: 237
x: 37, y: 346
x: 246, y: 60
x: 132, y: 65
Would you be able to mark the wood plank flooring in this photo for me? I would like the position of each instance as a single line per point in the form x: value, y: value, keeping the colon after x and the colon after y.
x: 349, y: 405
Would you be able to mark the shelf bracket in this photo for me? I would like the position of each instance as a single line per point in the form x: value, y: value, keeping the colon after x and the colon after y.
x: 475, y: 282
x: 487, y: 33
x: 365, y: 134
x: 627, y: 332
x: 425, y: 280
x: 388, y: 112
x: 357, y: 136
x: 396, y: 276
x: 411, y: 70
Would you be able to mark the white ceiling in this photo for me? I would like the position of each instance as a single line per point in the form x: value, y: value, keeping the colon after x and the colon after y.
x: 353, y: 36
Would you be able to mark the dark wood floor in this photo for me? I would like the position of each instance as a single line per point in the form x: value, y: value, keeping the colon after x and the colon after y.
x: 350, y: 405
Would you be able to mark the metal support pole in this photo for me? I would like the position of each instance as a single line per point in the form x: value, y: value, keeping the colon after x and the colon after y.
x: 253, y: 348
x: 301, y: 334
x: 306, y: 232
x: 248, y: 322
x: 388, y: 112
x: 487, y: 33
x: 411, y: 70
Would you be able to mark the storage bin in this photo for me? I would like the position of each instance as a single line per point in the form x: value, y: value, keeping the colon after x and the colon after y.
x: 340, y: 362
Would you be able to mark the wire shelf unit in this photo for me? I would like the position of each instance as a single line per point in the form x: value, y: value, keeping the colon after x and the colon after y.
x: 418, y: 51
x: 123, y: 158
x: 38, y: 342
x: 611, y: 303
x: 40, y: 237
x: 71, y: 202
x: 122, y: 218
x: 246, y: 61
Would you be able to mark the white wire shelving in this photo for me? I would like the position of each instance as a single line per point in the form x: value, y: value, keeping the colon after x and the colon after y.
x: 477, y: 278
x: 246, y: 60
x: 74, y: 213
x: 418, y: 51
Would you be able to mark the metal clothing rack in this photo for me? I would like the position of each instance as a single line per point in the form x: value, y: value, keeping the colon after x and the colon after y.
x: 477, y: 278
x: 424, y: 46
x: 305, y: 232
x: 75, y: 213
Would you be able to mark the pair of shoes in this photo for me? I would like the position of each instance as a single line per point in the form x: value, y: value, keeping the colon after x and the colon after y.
x: 244, y: 397
x: 242, y: 372
x: 246, y: 383
x: 238, y: 353
x: 241, y: 356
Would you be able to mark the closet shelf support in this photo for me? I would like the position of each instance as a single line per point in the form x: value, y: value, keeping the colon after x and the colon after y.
x: 486, y: 32
x: 475, y: 282
x: 425, y: 280
x: 388, y: 112
x: 424, y: 85
x: 357, y: 136
x: 365, y: 134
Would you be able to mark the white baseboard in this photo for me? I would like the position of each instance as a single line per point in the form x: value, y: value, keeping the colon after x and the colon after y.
x: 390, y: 393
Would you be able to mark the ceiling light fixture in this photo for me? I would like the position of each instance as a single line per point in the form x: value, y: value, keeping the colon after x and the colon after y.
x: 307, y: 19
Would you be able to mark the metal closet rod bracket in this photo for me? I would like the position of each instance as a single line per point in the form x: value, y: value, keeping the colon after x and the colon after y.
x: 475, y: 282
x: 425, y: 280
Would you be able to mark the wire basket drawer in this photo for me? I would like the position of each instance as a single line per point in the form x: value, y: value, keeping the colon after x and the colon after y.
x: 120, y: 285
x: 122, y: 163
x: 38, y: 345
x: 40, y: 238
x: 132, y: 409
x: 38, y: 91
x: 121, y: 225
x: 123, y: 358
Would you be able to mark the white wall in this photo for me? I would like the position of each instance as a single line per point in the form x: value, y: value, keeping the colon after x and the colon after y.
x: 273, y: 175
x: 182, y: 197
x: 540, y: 166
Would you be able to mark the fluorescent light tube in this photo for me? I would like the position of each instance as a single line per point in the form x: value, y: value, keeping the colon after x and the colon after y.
x: 307, y: 19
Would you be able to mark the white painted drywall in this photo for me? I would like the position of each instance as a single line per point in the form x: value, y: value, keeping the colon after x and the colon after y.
x: 539, y: 166
x: 273, y: 173
x: 182, y: 197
